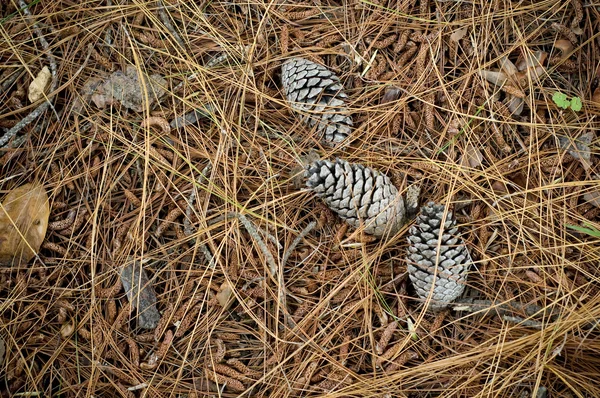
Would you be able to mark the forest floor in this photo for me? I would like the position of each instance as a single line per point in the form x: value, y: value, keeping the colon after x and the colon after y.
x: 491, y: 107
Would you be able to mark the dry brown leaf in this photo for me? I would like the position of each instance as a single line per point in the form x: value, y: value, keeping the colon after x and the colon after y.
x: 472, y: 157
x: 565, y: 47
x: 499, y: 187
x: 224, y: 294
x: 140, y: 294
x: 67, y: 330
x: 496, y: 77
x: 531, y: 60
x: 39, y: 85
x: 459, y: 34
x: 24, y: 217
x: 596, y: 96
x: 391, y: 94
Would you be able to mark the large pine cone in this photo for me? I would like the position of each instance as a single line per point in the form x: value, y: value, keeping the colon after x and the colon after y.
x: 447, y: 273
x: 317, y: 92
x: 358, y: 194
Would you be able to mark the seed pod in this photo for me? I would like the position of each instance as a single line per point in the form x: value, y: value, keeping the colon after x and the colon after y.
x: 438, y: 260
x: 317, y: 93
x: 358, y: 194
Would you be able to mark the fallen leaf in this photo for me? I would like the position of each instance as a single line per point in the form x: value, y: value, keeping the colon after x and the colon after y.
x: 391, y: 94
x: 565, y: 47
x: 499, y: 187
x: 507, y: 66
x: 24, y: 217
x: 578, y: 147
x: 38, y: 86
x: 140, y: 294
x: 495, y: 77
x: 596, y: 96
x: 593, y: 197
x: 472, y: 157
x: 531, y: 60
x: 459, y: 34
x: 125, y: 88
x: 224, y: 294
x: 515, y: 105
x: 67, y: 330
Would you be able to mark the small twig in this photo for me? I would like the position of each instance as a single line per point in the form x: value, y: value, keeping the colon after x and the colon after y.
x: 297, y: 241
x: 180, y: 85
x: 477, y: 305
x: 166, y: 20
x: 138, y: 387
x: 252, y: 230
x: 504, y: 309
x: 288, y: 319
x: 53, y: 69
x: 525, y: 322
x: 10, y: 80
x: 205, y: 111
x: 187, y: 227
x: 273, y: 240
x: 224, y: 56
x: 256, y: 236
x: 108, y: 32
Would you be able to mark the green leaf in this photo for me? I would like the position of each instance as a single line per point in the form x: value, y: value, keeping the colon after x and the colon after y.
x: 590, y: 230
x: 561, y: 100
x: 576, y: 104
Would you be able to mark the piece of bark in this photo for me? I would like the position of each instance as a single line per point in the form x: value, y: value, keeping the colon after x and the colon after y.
x: 140, y: 294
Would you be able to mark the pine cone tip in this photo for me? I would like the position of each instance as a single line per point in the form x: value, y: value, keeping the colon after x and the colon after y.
x: 318, y: 93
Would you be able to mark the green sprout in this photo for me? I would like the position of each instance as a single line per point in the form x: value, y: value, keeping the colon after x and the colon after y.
x: 576, y: 104
x: 588, y: 229
x: 563, y: 102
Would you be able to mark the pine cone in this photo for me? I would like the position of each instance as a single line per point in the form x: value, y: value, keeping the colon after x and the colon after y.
x: 448, y: 271
x: 358, y: 194
x: 312, y: 88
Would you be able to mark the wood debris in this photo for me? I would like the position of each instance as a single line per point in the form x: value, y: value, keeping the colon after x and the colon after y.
x: 140, y: 294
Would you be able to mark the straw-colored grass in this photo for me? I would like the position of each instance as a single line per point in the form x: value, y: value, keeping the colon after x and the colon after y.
x: 313, y: 328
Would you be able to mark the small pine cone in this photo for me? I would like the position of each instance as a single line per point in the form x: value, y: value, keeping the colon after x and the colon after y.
x: 310, y: 87
x: 358, y: 194
x: 453, y: 261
